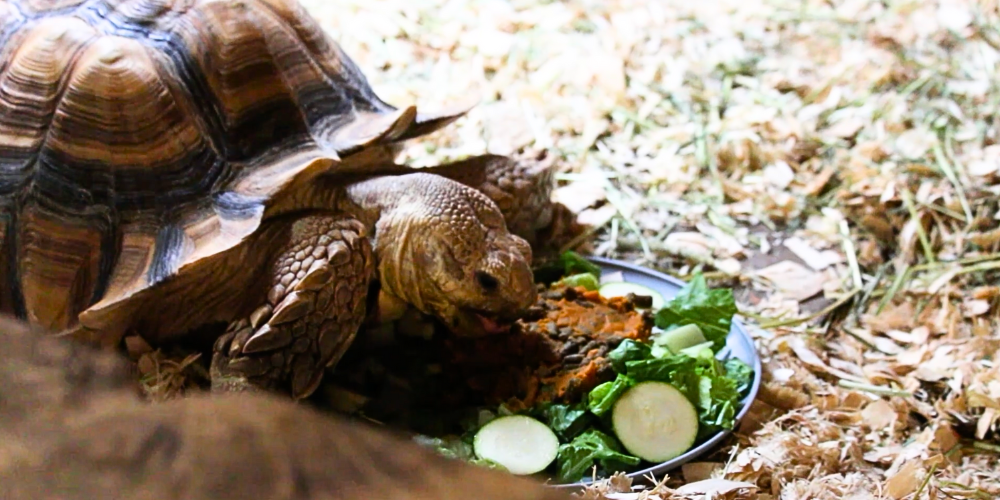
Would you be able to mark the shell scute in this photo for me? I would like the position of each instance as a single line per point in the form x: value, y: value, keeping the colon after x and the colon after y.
x: 155, y: 132
x: 45, y: 6
x: 30, y: 87
x: 254, y: 103
x: 121, y: 134
x: 59, y: 265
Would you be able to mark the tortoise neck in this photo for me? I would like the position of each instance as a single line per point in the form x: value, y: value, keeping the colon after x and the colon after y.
x: 370, y: 199
x: 397, y: 211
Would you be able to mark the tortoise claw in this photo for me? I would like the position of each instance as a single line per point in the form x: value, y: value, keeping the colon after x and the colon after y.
x: 261, y: 314
x: 267, y: 339
x: 295, y: 306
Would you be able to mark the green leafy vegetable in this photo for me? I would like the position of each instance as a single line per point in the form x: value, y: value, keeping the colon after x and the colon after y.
x: 566, y: 421
x: 586, y: 280
x: 489, y: 464
x: 711, y: 309
x: 603, y: 397
x: 704, y: 381
x: 659, y: 369
x: 717, y: 400
x: 714, y: 388
x: 717, y: 397
x: 628, y: 350
x: 573, y: 462
x: 741, y: 373
x: 578, y: 456
x: 450, y: 446
x: 574, y: 263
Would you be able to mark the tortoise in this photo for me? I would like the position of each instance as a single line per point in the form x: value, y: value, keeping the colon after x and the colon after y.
x: 75, y: 428
x: 172, y: 164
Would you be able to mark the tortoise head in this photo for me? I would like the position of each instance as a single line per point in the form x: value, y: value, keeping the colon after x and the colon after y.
x: 444, y: 248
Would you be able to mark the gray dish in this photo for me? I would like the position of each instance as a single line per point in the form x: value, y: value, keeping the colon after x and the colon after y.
x: 739, y: 344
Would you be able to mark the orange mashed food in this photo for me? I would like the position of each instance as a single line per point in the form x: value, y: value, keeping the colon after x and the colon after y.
x: 558, y: 355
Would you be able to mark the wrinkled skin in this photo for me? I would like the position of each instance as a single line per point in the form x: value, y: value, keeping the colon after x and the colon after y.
x: 74, y: 428
x: 450, y: 256
x: 521, y: 188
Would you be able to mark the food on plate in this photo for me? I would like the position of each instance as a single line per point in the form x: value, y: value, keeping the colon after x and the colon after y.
x: 518, y: 443
x: 590, y: 380
x: 654, y: 421
x: 684, y: 337
x: 623, y: 289
x: 555, y: 355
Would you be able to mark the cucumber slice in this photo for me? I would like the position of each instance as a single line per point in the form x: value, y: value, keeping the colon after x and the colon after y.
x: 695, y: 350
x: 659, y: 351
x: 612, y: 277
x: 681, y: 338
x: 623, y: 288
x: 520, y: 444
x: 654, y: 421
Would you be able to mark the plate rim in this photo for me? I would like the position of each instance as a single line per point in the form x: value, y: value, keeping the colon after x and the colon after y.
x: 737, y: 327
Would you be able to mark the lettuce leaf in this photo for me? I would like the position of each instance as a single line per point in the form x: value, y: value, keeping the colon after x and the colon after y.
x: 741, y: 373
x: 628, y: 350
x: 577, y: 457
x: 660, y: 369
x: 567, y: 421
x: 574, y: 263
x: 703, y: 380
x: 603, y: 397
x: 712, y: 309
x: 588, y: 281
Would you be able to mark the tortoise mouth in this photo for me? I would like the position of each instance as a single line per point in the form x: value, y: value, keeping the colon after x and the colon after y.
x: 493, y: 326
x: 478, y: 323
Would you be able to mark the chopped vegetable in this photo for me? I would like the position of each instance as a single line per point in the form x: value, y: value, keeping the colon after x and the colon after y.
x: 622, y: 288
x: 612, y: 277
x: 628, y: 350
x: 520, y: 444
x: 604, y: 396
x: 711, y: 309
x: 584, y: 385
x: 655, y: 421
x: 741, y: 373
x: 681, y: 338
x: 567, y: 421
x: 661, y: 369
x: 696, y: 350
x: 703, y: 380
x: 577, y: 457
x: 449, y: 446
x: 574, y: 263
x: 587, y: 280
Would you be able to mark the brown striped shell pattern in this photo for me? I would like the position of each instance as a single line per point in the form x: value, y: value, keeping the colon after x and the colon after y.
x: 138, y: 136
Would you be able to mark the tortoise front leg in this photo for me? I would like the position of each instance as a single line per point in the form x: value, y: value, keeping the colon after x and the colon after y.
x: 314, y: 307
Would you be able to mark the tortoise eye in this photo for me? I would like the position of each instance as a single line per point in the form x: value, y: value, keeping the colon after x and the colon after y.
x: 487, y: 281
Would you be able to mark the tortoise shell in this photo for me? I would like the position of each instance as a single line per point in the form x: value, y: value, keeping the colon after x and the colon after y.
x: 139, y: 136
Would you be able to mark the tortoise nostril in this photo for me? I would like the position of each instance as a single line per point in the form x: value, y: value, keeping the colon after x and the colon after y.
x: 487, y: 281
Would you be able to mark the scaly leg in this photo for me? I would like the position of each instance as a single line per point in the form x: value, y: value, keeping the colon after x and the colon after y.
x: 311, y: 313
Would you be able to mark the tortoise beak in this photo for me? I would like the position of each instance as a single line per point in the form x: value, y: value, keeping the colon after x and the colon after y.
x: 475, y: 323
